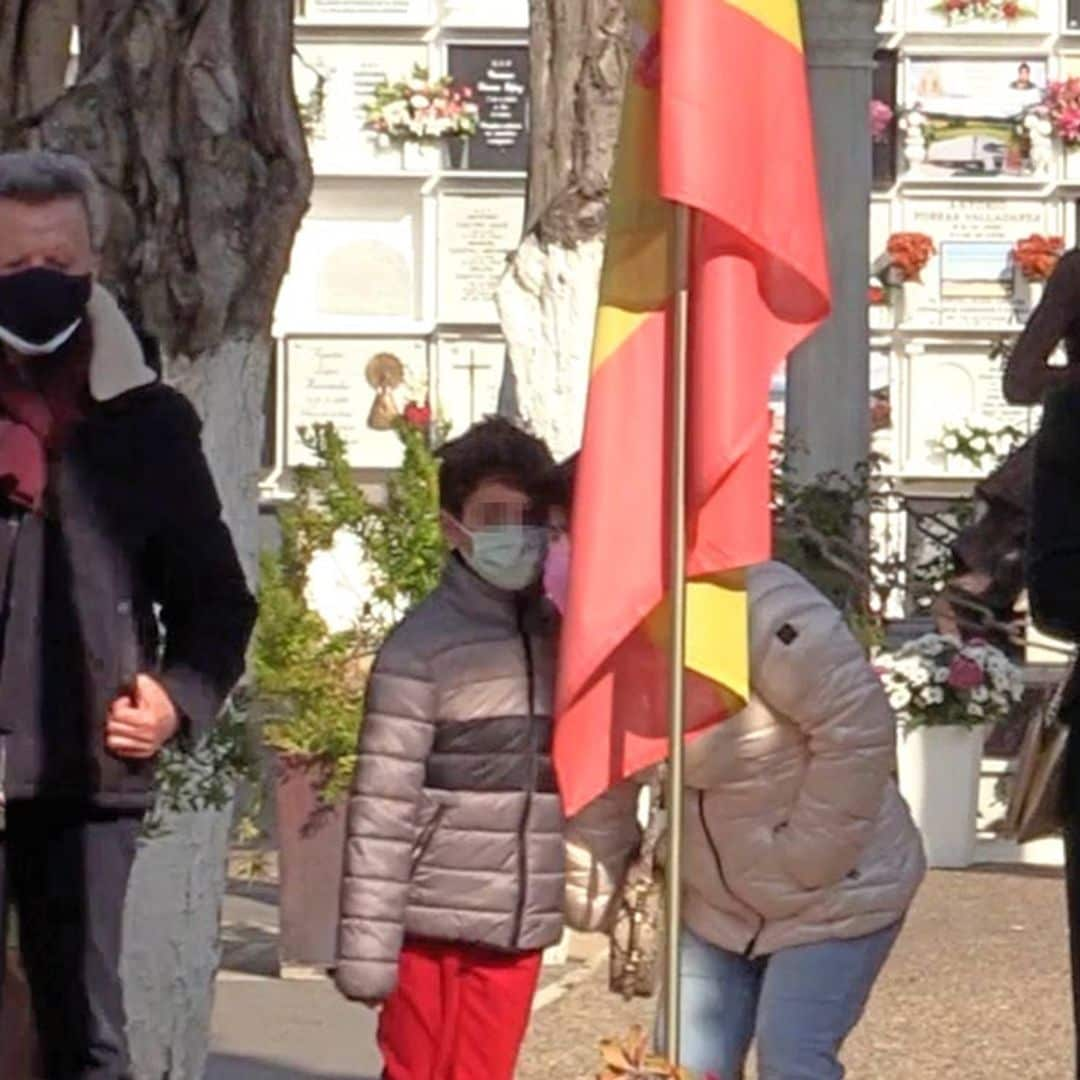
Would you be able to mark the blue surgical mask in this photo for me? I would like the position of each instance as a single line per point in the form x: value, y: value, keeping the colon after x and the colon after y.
x: 508, y: 556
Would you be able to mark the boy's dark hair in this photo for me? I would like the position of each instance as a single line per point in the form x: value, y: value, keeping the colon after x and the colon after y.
x: 560, y: 486
x: 493, y: 449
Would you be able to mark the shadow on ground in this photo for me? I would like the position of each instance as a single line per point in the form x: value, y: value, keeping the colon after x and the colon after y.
x: 236, y: 1067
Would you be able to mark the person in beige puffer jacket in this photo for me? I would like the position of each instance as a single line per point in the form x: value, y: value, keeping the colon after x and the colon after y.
x: 800, y: 857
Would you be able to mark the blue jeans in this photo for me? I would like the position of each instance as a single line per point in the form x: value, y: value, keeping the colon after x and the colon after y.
x: 800, y: 1003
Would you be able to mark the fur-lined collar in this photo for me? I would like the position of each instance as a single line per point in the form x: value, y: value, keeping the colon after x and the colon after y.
x: 117, y: 364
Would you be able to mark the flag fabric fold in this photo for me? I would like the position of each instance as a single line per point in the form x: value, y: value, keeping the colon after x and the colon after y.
x: 717, y: 117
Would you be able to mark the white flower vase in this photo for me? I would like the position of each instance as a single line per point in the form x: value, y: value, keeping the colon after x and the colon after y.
x: 418, y: 158
x: 939, y: 778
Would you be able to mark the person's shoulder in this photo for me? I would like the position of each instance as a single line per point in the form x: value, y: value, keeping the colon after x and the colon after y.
x: 418, y: 636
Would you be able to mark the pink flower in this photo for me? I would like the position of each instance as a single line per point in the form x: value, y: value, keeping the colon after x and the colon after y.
x: 965, y: 673
x: 881, y: 116
x: 647, y: 66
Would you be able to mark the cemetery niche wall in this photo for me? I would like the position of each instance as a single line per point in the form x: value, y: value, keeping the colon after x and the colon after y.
x: 390, y: 294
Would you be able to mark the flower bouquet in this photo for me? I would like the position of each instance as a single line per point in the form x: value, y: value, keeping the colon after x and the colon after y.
x: 909, y: 252
x: 1004, y: 11
x: 1037, y: 256
x: 881, y: 118
x: 421, y: 109
x: 1061, y: 102
x: 938, y: 680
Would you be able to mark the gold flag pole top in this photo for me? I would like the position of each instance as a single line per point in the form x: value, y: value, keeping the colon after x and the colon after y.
x: 677, y: 659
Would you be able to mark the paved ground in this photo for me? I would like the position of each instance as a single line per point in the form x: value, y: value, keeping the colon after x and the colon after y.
x: 977, y: 990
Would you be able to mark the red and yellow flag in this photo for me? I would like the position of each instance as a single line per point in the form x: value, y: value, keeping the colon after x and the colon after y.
x: 717, y: 117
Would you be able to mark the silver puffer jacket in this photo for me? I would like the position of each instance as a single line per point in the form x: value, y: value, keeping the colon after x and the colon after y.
x: 454, y: 823
x: 795, y: 830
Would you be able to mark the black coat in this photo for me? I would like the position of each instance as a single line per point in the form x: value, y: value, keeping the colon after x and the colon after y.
x: 1053, y: 556
x: 140, y: 525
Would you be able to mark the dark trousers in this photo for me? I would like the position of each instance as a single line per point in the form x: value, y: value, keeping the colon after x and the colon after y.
x: 1072, y: 870
x: 65, y: 870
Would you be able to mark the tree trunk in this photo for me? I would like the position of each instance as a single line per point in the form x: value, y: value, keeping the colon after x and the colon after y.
x: 547, y: 300
x: 185, y: 110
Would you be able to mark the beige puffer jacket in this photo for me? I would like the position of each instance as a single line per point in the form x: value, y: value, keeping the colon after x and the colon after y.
x: 795, y: 830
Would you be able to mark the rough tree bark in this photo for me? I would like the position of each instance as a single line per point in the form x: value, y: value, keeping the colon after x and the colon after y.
x: 547, y: 299
x: 186, y: 111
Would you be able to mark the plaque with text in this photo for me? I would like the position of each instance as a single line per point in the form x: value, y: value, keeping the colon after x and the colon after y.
x: 350, y: 71
x: 971, y: 283
x: 952, y: 387
x: 503, y: 14
x: 366, y: 12
x: 359, y: 385
x: 352, y: 267
x: 476, y: 235
x: 499, y: 77
x: 470, y: 376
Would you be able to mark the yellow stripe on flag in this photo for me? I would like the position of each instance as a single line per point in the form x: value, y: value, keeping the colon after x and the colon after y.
x: 780, y: 16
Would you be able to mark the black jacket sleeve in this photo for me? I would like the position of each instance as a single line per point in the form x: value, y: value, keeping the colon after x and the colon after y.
x: 1054, y: 539
x: 206, y: 608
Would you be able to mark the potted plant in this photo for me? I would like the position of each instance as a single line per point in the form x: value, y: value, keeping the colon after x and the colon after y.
x: 422, y: 112
x: 945, y: 692
x: 310, y: 681
x: 1034, y: 260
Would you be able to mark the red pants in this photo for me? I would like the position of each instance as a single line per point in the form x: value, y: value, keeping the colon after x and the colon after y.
x: 458, y: 1013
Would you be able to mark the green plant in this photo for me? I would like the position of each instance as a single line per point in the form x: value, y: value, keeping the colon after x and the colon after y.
x: 981, y: 447
x: 203, y: 778
x: 310, y: 681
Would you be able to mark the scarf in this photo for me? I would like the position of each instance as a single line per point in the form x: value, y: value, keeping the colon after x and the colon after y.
x: 37, y: 415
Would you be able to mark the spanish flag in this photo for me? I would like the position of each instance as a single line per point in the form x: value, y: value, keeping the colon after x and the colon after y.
x: 717, y: 117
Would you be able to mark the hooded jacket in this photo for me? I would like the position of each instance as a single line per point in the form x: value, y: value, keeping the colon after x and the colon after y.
x: 795, y: 830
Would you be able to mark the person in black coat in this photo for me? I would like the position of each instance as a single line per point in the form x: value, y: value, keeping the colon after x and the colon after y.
x: 124, y: 612
x: 1053, y: 576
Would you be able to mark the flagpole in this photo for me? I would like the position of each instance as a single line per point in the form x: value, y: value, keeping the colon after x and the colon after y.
x: 677, y: 659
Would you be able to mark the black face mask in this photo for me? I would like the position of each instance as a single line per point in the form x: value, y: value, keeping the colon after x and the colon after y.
x: 40, y: 309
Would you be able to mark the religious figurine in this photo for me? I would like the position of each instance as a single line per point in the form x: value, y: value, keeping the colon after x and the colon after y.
x: 913, y: 124
x: 385, y: 373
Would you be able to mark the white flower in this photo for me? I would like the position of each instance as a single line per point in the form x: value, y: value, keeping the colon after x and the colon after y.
x: 980, y: 694
x: 940, y: 675
x: 951, y: 443
x: 976, y: 710
x: 934, y: 695
x: 419, y: 101
x: 900, y: 698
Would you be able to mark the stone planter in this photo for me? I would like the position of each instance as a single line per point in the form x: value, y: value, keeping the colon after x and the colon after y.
x: 311, y: 841
x: 939, y: 777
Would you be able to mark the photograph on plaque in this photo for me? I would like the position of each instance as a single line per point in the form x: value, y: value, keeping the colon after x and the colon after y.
x: 334, y: 81
x: 366, y: 12
x: 360, y: 385
x: 973, y: 112
x: 977, y: 270
x: 499, y: 78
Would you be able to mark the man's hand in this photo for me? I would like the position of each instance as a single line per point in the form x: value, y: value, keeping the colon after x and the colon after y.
x: 141, y: 722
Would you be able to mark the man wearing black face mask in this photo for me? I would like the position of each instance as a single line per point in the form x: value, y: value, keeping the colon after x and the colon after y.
x: 98, y: 553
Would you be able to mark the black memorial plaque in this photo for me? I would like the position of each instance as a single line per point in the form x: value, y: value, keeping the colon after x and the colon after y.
x: 499, y: 77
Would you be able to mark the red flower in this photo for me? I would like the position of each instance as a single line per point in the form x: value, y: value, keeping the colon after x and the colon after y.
x: 417, y: 416
x: 1010, y: 9
x: 875, y: 294
x: 955, y: 5
x: 965, y: 673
